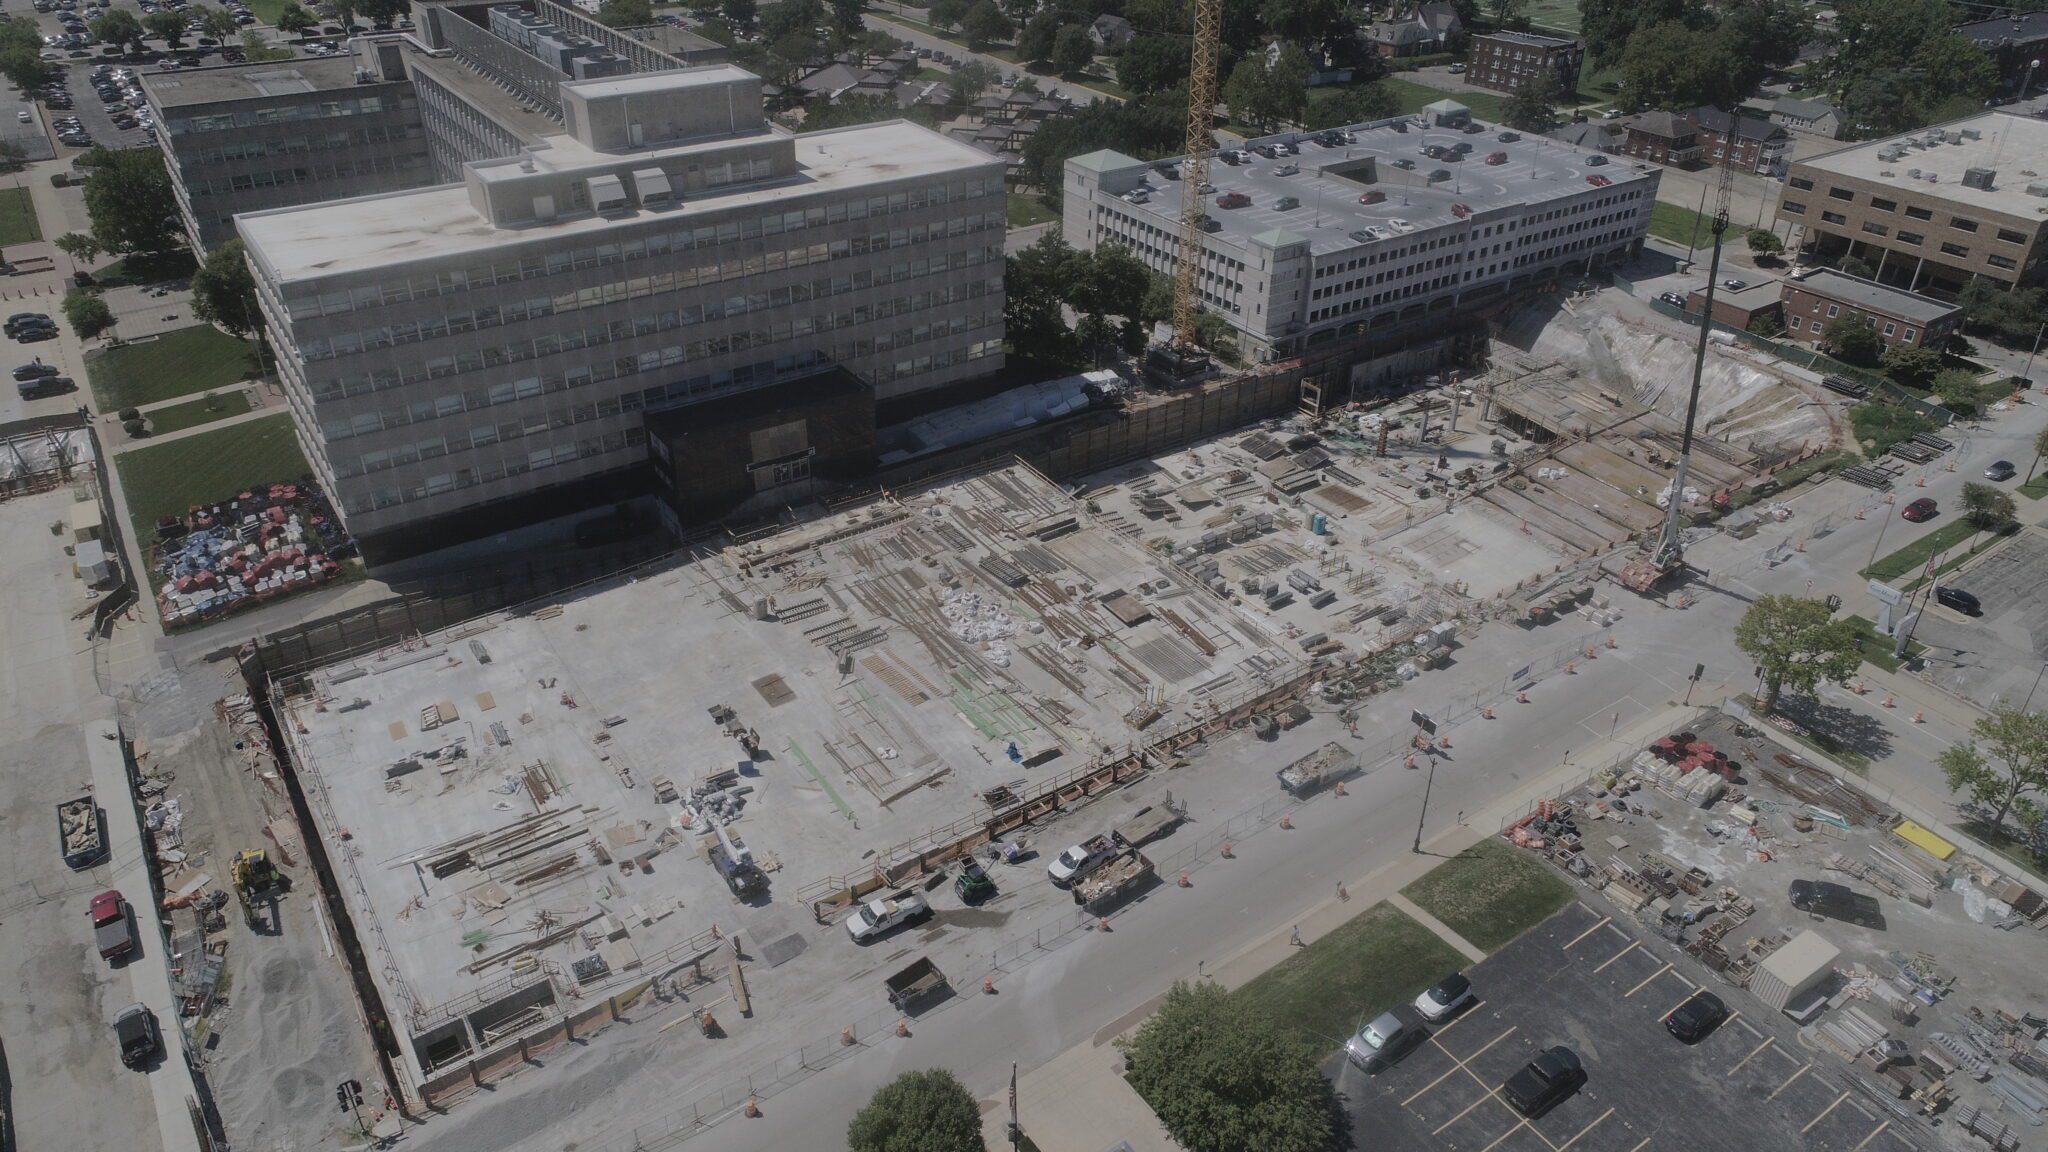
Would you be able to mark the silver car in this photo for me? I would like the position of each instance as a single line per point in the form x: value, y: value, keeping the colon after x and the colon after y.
x: 1386, y: 1039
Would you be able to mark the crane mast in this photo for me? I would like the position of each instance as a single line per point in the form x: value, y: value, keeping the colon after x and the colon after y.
x: 1201, y: 106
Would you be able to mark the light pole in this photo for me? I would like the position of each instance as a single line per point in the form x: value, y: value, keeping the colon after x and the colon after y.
x: 2029, y: 83
x: 2028, y: 371
x: 1427, y: 784
x: 1884, y: 521
x: 2037, y: 684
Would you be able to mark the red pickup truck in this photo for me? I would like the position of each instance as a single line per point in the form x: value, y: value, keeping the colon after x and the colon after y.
x: 113, y: 925
x: 1233, y: 200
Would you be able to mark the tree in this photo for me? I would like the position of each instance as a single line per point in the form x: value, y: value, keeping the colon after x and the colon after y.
x: 385, y: 11
x: 1766, y: 325
x: 1675, y: 66
x: 215, y: 22
x: 87, y: 314
x: 1912, y: 367
x: 1222, y: 1077
x: 850, y: 16
x: 984, y: 24
x: 1528, y: 107
x: 1266, y: 93
x: 79, y: 246
x: 625, y: 13
x: 793, y: 18
x: 118, y: 27
x: 224, y: 291
x: 167, y: 26
x: 848, y: 111
x: 947, y: 13
x: 1850, y: 339
x: 21, y: 53
x: 1509, y: 14
x: 1988, y: 509
x: 1072, y: 51
x: 1855, y: 266
x: 971, y: 79
x: 1305, y: 21
x: 1357, y: 104
x: 1110, y: 281
x: 255, y: 50
x: 129, y: 200
x: 1151, y: 64
x: 927, y: 1111
x: 294, y: 20
x: 1763, y: 242
x: 1607, y: 25
x: 1797, y: 644
x: 2040, y: 450
x: 1032, y: 300
x: 1035, y: 41
x: 2008, y: 771
x: 1148, y: 127
x: 741, y: 13
x: 1899, y: 64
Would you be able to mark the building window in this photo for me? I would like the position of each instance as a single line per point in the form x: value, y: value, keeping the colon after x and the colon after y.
x: 2011, y: 237
x: 1834, y: 218
x: 1962, y: 225
x: 1833, y: 310
x: 1889, y: 328
x: 1875, y: 229
x: 1920, y: 213
x: 1907, y: 335
x: 1905, y: 237
x: 1842, y: 193
x: 1796, y: 322
x: 1954, y: 250
x: 1791, y: 209
x: 2001, y: 262
x: 1884, y: 205
x: 1802, y: 183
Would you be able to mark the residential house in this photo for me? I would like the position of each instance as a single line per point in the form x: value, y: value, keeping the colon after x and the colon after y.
x: 1812, y: 117
x: 829, y: 82
x: 1741, y: 141
x: 1667, y: 138
x: 1111, y: 32
x: 1505, y: 61
x: 1592, y: 135
x: 1900, y: 318
x: 1322, y: 68
x: 1424, y: 31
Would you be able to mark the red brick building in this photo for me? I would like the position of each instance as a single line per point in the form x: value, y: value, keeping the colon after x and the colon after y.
x: 1505, y: 61
x: 1745, y: 143
x: 1666, y: 138
x: 1814, y: 300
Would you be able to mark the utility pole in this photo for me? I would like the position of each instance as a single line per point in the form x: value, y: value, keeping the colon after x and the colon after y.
x: 1427, y: 784
x: 350, y: 1094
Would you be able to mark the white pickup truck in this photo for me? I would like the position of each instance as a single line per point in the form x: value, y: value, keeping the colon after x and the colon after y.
x: 878, y: 917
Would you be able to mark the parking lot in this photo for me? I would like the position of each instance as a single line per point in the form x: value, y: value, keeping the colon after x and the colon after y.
x: 1995, y: 655
x: 1585, y: 981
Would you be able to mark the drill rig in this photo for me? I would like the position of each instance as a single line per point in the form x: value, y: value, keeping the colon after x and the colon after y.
x: 1644, y: 573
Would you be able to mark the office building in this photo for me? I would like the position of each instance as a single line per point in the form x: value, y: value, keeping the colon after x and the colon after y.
x: 462, y: 358
x: 1506, y: 61
x: 1933, y: 209
x: 262, y: 136
x: 1812, y: 300
x: 1381, y: 230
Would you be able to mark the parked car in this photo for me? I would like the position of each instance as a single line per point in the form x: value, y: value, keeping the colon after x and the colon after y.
x: 1233, y: 200
x: 1699, y: 1015
x: 1734, y: 285
x: 1508, y: 137
x: 1672, y: 298
x: 1457, y: 69
x: 34, y: 370
x: 1445, y: 997
x: 1922, y: 509
x: 135, y: 1028
x: 1836, y: 902
x: 2000, y: 470
x: 1957, y: 599
x: 1598, y: 181
x: 878, y: 917
x: 1386, y: 1039
x: 113, y: 925
x: 1287, y: 204
x: 1554, y: 1074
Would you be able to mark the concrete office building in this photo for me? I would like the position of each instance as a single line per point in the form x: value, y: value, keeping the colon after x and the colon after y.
x: 464, y: 358
x: 262, y: 136
x: 1305, y: 258
x: 1933, y: 209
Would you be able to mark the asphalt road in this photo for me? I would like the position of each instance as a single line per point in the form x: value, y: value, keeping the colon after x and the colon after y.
x: 1046, y: 84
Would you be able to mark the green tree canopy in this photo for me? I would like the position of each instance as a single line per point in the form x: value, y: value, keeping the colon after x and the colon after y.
x: 2004, y: 767
x: 1899, y: 64
x: 1149, y: 127
x: 87, y: 314
x: 741, y: 13
x: 984, y: 24
x: 1764, y: 242
x: 927, y: 1111
x: 1356, y: 104
x: 1528, y: 106
x: 214, y: 21
x: 1676, y: 66
x: 117, y: 26
x: 21, y: 53
x: 1266, y: 95
x: 257, y: 50
x: 1797, y: 643
x: 1222, y: 1078
x: 80, y: 246
x: 224, y: 291
x: 1607, y: 25
x: 1034, y: 281
x: 1072, y: 51
x: 129, y: 200
x: 1035, y: 40
x: 1850, y: 339
x: 2010, y: 316
x: 1910, y: 366
x: 971, y: 79
x: 1988, y: 508
x: 166, y: 25
x: 294, y: 20
x: 1306, y: 21
x: 625, y: 13
x: 1151, y: 64
x: 850, y: 15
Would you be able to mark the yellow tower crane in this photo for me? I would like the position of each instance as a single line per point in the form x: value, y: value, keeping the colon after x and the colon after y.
x: 1181, y: 361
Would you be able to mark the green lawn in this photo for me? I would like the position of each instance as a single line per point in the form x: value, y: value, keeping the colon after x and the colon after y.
x: 167, y: 479
x: 18, y: 223
x: 133, y: 270
x: 1556, y: 15
x: 179, y: 363
x: 268, y: 10
x: 1877, y: 649
x: 1913, y: 557
x: 1679, y: 224
x: 1490, y: 893
x: 1377, y: 959
x: 929, y: 73
x: 193, y: 413
x: 2036, y: 488
x: 1414, y: 97
x: 1024, y: 210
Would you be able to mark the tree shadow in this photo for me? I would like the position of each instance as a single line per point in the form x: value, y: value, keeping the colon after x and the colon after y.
x: 1848, y: 728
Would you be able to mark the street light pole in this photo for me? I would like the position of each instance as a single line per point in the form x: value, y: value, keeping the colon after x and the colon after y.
x: 1427, y: 784
x: 1884, y: 521
x: 2037, y: 684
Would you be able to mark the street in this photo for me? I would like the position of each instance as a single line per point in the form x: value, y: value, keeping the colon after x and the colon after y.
x: 1050, y: 85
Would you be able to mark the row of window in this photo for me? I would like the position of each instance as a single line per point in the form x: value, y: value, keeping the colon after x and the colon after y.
x: 511, y: 268
x: 325, y: 174
x: 1890, y: 328
x: 1481, y: 253
x: 1362, y: 303
x: 291, y: 113
x: 1848, y: 196
x: 300, y: 144
x: 412, y: 330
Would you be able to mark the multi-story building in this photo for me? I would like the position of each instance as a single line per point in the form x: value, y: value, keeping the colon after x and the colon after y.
x: 1506, y: 61
x: 1933, y: 209
x: 1813, y: 117
x: 261, y: 136
x: 2017, y: 43
x: 465, y: 357
x: 1813, y: 300
x: 1427, y: 30
x: 1747, y: 143
x: 1667, y: 138
x: 1373, y: 233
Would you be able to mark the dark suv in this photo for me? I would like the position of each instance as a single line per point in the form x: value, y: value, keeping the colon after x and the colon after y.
x: 1820, y: 898
x: 1693, y: 1020
x: 1554, y: 1074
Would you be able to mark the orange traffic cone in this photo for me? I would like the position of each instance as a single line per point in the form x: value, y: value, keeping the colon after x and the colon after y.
x: 1342, y: 892
x: 1589, y: 653
x: 1916, y: 717
x: 1444, y: 741
x: 1859, y: 513
x: 1184, y: 879
x: 753, y: 1109
x: 1569, y: 670
x: 1521, y: 697
x: 1888, y: 700
x: 1408, y: 761
x: 1610, y: 642
x: 1859, y: 686
x: 988, y: 985
x: 846, y: 1037
x: 1286, y: 821
x: 1226, y: 851
x: 902, y: 1026
x: 1919, y: 481
x: 1102, y: 922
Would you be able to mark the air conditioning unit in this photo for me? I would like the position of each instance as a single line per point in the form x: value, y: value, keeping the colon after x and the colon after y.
x: 1979, y: 178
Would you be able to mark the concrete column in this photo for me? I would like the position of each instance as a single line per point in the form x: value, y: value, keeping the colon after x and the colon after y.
x: 1883, y: 254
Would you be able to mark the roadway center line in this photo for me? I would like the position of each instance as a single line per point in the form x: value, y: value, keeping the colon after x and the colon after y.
x: 1632, y: 946
x: 1824, y: 1112
x: 1768, y: 1041
x: 1604, y: 921
x: 1874, y: 1135
x: 1646, y: 981
x: 1803, y: 1070
x: 1583, y: 1131
x: 1456, y: 1065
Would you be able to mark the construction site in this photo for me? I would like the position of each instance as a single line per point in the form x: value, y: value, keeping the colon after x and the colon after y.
x: 1910, y: 967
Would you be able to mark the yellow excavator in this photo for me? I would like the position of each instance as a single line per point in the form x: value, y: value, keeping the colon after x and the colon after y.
x: 257, y: 882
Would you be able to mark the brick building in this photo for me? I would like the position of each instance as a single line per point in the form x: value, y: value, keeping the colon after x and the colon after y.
x: 1667, y: 138
x: 1814, y: 299
x: 1746, y: 143
x: 1505, y: 61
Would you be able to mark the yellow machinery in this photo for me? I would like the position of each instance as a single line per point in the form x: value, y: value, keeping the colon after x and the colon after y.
x: 256, y: 881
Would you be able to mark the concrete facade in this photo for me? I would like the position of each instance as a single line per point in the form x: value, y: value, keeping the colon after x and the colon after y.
x: 260, y: 136
x: 1932, y: 209
x: 1899, y: 318
x: 1291, y: 276
x: 452, y: 349
x: 1505, y: 61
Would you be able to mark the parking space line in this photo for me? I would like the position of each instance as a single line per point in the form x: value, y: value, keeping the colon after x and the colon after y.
x: 1824, y: 1112
x: 1732, y: 1018
x: 1879, y: 1131
x: 1604, y: 921
x: 1803, y: 1070
x: 1768, y: 1041
x: 1643, y: 1145
x: 1519, y: 1125
x: 1457, y: 1065
x: 1646, y: 981
x: 1583, y: 1131
x: 1467, y: 1014
x: 1462, y: 1115
x: 1632, y: 946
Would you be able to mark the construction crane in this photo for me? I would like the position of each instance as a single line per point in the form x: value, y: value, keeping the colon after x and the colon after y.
x: 1669, y: 554
x: 1183, y: 361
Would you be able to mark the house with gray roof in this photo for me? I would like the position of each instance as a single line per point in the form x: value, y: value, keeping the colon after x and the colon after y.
x: 1812, y: 117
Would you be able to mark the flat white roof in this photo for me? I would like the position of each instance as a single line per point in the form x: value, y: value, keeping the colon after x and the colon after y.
x: 342, y: 236
x: 2010, y: 146
x: 711, y: 75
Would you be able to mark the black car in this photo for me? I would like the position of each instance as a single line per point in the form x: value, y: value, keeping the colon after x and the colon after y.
x: 1694, y: 1019
x: 1957, y: 599
x: 2000, y: 470
x: 1820, y: 898
x: 135, y: 1028
x: 1554, y: 1074
x: 35, y: 371
x: 36, y: 335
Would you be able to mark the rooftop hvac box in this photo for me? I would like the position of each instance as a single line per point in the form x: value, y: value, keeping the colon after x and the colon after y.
x: 1794, y: 970
x: 1978, y: 178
